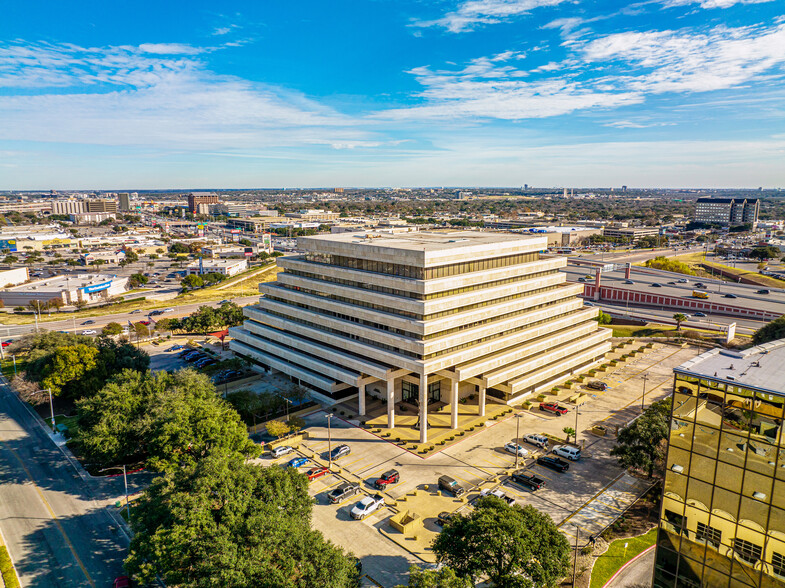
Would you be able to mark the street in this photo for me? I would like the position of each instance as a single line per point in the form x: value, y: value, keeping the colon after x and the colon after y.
x: 56, y: 531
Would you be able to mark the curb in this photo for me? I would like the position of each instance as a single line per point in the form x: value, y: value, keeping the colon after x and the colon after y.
x: 624, y: 567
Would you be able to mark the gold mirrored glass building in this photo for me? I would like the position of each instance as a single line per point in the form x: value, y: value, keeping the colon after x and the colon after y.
x: 723, y: 515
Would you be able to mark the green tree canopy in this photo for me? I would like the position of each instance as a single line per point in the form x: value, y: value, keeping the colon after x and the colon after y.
x: 770, y: 331
x: 191, y: 282
x: 112, y: 329
x: 514, y: 546
x: 642, y: 445
x: 222, y: 522
x: 66, y: 367
x: 445, y: 577
x: 768, y: 252
x: 679, y: 317
x: 136, y: 280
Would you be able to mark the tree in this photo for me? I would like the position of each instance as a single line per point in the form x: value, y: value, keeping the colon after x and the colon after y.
x: 516, y: 547
x: 570, y: 432
x: 136, y: 280
x: 66, y: 368
x: 231, y: 314
x: 179, y: 248
x: 295, y: 424
x: 277, y: 428
x: 10, y: 259
x: 168, y: 324
x: 679, y: 318
x: 80, y: 304
x: 222, y: 522
x: 770, y: 331
x: 603, y: 318
x: 112, y: 329
x: 191, y: 282
x: 445, y: 577
x: 763, y: 253
x: 642, y: 445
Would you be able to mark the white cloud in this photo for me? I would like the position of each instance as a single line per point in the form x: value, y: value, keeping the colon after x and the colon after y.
x: 471, y: 13
x: 153, y: 96
x: 711, y: 3
x: 169, y: 49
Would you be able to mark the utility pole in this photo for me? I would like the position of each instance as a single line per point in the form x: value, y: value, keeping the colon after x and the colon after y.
x: 643, y: 398
x: 329, y: 417
x: 577, y: 407
x: 517, y: 436
x: 575, y: 557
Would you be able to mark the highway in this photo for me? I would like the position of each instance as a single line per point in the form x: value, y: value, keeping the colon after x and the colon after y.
x: 73, y: 324
x: 56, y: 533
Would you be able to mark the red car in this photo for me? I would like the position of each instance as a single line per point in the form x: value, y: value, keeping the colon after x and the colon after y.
x: 387, y: 479
x: 314, y: 473
x: 553, y: 407
x: 145, y: 323
x: 6, y: 343
x: 122, y: 582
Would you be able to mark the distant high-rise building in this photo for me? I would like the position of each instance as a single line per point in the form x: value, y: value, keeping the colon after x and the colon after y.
x: 526, y: 186
x: 197, y: 198
x: 722, y: 523
x: 727, y: 211
x: 624, y: 188
x: 124, y: 201
x: 100, y: 205
x: 66, y: 207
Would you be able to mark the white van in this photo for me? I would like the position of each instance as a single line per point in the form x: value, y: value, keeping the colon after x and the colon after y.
x: 572, y: 453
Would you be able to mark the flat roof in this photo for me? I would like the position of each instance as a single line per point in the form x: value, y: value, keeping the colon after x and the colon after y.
x: 758, y: 367
x: 424, y: 241
x: 62, y: 282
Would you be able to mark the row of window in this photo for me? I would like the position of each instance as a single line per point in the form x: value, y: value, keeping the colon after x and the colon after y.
x: 419, y: 273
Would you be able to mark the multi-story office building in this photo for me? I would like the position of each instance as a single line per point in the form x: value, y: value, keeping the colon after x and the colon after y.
x: 197, y: 198
x: 723, y: 514
x: 727, y: 211
x: 630, y: 234
x: 100, y: 205
x: 422, y: 317
x: 124, y: 201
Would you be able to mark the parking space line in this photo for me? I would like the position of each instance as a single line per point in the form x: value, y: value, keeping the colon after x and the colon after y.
x: 496, y: 465
x: 372, y: 474
x: 337, y: 481
x: 463, y: 479
x: 345, y: 466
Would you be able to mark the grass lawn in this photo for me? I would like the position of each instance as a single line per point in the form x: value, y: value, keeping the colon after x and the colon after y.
x: 616, y: 556
x: 655, y: 330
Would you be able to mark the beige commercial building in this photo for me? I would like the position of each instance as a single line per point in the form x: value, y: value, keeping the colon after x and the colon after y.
x: 420, y: 318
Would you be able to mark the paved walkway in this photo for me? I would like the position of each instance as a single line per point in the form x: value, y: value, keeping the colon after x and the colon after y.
x: 605, y: 506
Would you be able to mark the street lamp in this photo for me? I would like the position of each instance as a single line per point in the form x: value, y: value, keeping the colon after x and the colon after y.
x: 329, y: 417
x: 577, y: 408
x: 125, y: 482
x: 643, y: 398
x: 517, y: 436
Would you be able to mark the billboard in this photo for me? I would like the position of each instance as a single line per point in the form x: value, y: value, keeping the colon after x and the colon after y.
x: 97, y: 287
x: 8, y: 245
x: 248, y: 251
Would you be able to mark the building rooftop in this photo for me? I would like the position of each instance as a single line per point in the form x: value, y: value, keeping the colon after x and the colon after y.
x: 758, y: 367
x: 425, y: 241
x: 57, y: 284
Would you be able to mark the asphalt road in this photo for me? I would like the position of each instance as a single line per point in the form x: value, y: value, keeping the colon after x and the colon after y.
x: 637, y: 573
x: 73, y: 324
x: 56, y: 533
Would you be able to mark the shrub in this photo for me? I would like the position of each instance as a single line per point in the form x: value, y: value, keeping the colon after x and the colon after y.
x: 7, y: 569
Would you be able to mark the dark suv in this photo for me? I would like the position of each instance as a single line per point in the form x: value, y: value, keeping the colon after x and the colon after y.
x: 387, y: 479
x: 448, y: 484
x: 554, y: 463
x: 343, y: 492
x: 340, y: 451
x: 597, y: 385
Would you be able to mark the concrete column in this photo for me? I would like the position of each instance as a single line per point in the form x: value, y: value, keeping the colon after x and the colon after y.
x: 481, y: 401
x: 361, y: 400
x: 597, y: 283
x: 423, y: 408
x: 391, y: 403
x: 453, y: 404
x: 628, y: 271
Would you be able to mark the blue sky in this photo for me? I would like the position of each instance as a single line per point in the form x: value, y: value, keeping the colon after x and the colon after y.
x: 121, y: 95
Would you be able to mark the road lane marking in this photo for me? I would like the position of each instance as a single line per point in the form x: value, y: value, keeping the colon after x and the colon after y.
x: 52, y: 514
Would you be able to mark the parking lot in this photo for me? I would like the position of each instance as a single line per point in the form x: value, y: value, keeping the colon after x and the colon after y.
x: 591, y: 493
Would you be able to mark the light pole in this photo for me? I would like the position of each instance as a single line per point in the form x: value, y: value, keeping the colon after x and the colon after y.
x: 517, y: 436
x: 577, y: 408
x: 329, y: 417
x: 575, y: 557
x: 125, y: 483
x: 643, y: 398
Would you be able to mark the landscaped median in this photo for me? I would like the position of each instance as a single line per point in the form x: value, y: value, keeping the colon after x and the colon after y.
x: 612, y: 560
x: 7, y: 569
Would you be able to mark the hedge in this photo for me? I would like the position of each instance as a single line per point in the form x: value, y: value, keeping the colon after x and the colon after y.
x: 7, y: 569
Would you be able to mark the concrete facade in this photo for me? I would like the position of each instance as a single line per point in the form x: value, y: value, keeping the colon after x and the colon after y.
x: 422, y: 317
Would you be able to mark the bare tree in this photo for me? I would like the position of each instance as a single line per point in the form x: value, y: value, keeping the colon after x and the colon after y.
x: 28, y: 391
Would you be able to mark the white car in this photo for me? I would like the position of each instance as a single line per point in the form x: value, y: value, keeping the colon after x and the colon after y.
x: 366, y: 506
x: 168, y: 309
x: 571, y: 453
x: 536, y: 440
x: 281, y: 450
x: 89, y: 332
x: 514, y: 448
x: 498, y: 494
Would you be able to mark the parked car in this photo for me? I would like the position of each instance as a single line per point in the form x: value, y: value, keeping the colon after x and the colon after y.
x: 297, y: 462
x: 572, y: 453
x: 342, y: 492
x: 340, y: 451
x: 527, y: 479
x: 730, y: 296
x: 89, y: 332
x: 553, y: 462
x: 536, y: 440
x: 553, y: 407
x: 597, y: 385
x: 7, y: 343
x: 444, y: 518
x: 516, y: 449
x: 388, y: 478
x: 366, y: 506
x: 448, y: 484
x: 498, y: 494
x: 281, y: 450
x: 317, y: 472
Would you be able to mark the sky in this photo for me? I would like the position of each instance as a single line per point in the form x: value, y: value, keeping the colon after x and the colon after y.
x: 262, y: 94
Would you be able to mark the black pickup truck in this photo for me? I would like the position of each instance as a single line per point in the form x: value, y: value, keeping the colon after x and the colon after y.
x: 528, y: 479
